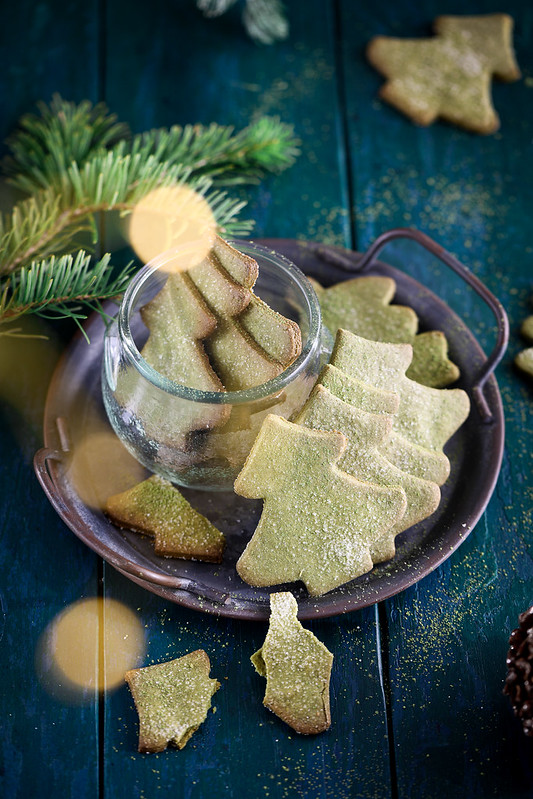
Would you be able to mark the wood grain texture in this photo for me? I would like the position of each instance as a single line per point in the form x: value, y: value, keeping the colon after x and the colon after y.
x: 49, y: 745
x: 431, y: 661
x: 216, y: 73
x: 447, y: 637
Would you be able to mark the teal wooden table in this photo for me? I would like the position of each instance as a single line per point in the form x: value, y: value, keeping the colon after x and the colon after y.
x: 417, y: 704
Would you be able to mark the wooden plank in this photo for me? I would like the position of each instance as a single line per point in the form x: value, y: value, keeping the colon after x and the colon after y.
x: 175, y: 67
x: 49, y: 744
x: 242, y: 749
x: 453, y: 731
x: 172, y: 66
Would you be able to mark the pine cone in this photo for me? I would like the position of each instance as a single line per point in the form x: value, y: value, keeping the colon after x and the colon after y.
x: 519, y: 681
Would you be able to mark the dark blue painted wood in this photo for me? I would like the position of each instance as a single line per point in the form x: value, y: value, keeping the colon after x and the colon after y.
x: 48, y: 747
x: 447, y: 637
x: 243, y: 751
x: 364, y: 168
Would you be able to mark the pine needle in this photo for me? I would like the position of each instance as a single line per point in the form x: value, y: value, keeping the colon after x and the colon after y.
x: 264, y: 20
x: 76, y: 161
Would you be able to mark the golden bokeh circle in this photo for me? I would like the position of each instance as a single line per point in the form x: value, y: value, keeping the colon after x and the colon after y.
x: 95, y: 641
x: 175, y: 218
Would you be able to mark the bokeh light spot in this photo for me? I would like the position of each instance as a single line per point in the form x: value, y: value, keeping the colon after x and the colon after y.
x: 172, y: 218
x: 100, y: 466
x: 90, y: 646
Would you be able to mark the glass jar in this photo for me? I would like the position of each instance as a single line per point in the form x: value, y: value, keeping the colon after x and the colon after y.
x: 200, y: 439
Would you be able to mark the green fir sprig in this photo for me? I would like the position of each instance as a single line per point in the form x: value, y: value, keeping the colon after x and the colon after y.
x: 76, y: 161
x: 264, y: 20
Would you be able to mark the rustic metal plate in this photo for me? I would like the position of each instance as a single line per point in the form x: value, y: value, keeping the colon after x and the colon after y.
x: 475, y: 453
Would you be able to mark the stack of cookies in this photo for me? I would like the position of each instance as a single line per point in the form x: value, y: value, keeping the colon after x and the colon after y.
x: 362, y: 462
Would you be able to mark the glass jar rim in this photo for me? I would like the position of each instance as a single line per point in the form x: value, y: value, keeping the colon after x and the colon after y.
x: 263, y: 390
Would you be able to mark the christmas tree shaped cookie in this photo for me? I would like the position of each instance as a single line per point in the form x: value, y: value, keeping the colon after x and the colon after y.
x: 427, y: 417
x: 417, y: 461
x: 156, y: 508
x: 247, y: 331
x: 318, y: 523
x: 297, y: 667
x: 449, y: 75
x: 365, y: 432
x: 172, y: 700
x: 362, y: 306
x: 208, y: 329
x: 355, y: 392
x: 179, y: 321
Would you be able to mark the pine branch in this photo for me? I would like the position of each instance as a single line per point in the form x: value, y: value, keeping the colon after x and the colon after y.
x: 267, y: 145
x: 45, y: 146
x: 264, y: 20
x: 75, y: 162
x: 48, y: 287
x: 47, y: 222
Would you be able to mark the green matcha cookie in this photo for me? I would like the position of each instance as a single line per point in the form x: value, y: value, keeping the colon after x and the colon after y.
x: 355, y: 392
x: 251, y: 343
x: 524, y: 361
x: 365, y: 432
x: 427, y: 417
x: 362, y: 306
x: 417, y: 461
x: 297, y: 667
x: 179, y: 321
x: 318, y: 523
x: 431, y: 365
x: 526, y: 329
x: 155, y: 507
x: 172, y: 700
x: 448, y: 76
x: 208, y: 329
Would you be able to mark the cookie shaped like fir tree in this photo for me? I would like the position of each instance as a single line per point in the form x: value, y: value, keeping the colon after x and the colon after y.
x: 363, y: 306
x: 427, y: 417
x: 418, y: 461
x: 172, y: 700
x: 449, y: 75
x: 365, y: 432
x: 211, y: 313
x: 318, y: 523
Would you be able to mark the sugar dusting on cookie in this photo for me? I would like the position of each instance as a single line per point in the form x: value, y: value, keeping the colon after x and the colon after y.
x: 297, y: 667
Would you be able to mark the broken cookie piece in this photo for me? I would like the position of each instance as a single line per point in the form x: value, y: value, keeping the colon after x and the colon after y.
x: 297, y: 667
x: 156, y: 508
x: 172, y: 700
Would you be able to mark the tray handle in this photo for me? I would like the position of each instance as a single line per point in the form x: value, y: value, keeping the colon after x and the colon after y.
x: 42, y: 471
x: 44, y: 476
x: 474, y: 282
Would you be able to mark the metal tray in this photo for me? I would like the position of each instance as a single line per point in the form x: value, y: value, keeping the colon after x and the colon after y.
x: 475, y: 453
